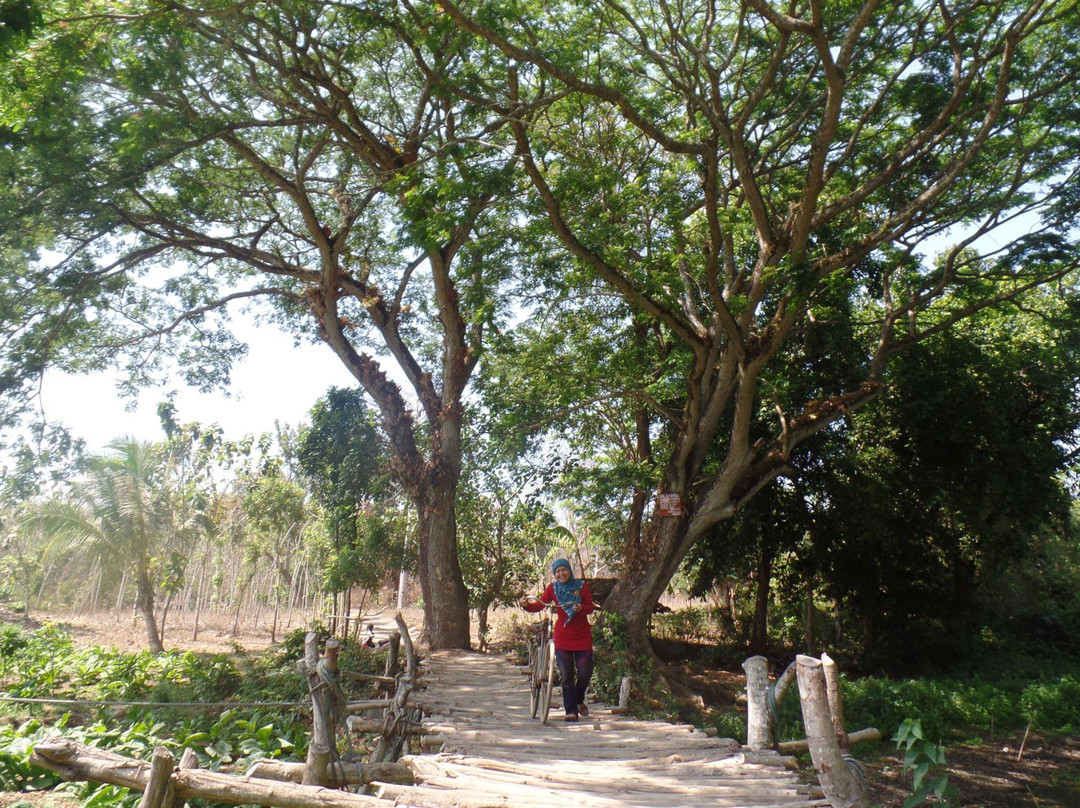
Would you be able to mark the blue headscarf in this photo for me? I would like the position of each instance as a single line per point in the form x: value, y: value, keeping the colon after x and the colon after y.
x: 568, y: 594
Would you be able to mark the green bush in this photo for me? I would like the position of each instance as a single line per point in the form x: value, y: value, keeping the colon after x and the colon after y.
x: 1053, y: 706
x: 692, y: 624
x: 12, y: 639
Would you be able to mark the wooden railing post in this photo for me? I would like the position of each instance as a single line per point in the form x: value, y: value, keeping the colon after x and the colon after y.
x: 842, y: 782
x: 161, y: 768
x: 392, y: 654
x: 760, y: 717
x: 322, y: 678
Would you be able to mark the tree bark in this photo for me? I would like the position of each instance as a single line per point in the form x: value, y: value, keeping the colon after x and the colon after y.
x: 643, y: 578
x: 446, y: 600
x: 760, y: 638
x: 144, y: 602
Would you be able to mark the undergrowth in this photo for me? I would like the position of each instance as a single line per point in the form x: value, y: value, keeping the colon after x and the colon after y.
x: 229, y: 709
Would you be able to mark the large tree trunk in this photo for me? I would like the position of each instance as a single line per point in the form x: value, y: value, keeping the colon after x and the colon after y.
x: 647, y: 568
x: 446, y: 600
x: 760, y: 637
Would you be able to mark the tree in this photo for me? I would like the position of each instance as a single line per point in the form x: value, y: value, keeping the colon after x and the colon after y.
x: 117, y: 510
x: 579, y: 385
x: 502, y: 523
x: 908, y: 521
x: 343, y: 459
x: 193, y: 157
x: 729, y: 168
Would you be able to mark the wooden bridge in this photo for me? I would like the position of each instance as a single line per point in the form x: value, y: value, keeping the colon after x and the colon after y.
x: 493, y: 755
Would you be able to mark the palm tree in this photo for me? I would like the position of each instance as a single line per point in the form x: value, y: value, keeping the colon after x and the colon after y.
x: 118, y: 511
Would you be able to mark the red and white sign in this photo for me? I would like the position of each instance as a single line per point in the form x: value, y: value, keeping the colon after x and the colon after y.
x: 668, y: 505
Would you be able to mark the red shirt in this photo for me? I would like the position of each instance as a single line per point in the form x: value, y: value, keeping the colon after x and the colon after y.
x: 577, y: 634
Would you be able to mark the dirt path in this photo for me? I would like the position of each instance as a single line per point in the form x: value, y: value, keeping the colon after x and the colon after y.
x: 494, y: 754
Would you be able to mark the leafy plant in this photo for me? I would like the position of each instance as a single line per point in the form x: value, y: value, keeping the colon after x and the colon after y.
x: 926, y: 761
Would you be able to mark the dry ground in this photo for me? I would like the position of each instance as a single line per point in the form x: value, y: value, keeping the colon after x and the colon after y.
x: 989, y: 775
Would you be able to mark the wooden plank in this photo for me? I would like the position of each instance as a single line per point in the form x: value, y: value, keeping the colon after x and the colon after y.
x: 493, y: 755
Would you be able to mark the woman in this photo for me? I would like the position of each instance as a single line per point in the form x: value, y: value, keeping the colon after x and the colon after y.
x: 572, y: 634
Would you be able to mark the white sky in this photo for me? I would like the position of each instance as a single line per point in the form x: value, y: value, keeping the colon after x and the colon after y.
x: 276, y: 382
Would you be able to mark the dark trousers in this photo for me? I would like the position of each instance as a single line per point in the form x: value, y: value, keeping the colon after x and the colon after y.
x: 575, y: 668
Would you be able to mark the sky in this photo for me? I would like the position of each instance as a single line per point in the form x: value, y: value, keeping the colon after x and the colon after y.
x: 277, y: 381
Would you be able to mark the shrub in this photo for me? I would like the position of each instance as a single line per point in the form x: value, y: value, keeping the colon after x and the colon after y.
x: 1053, y: 706
x: 12, y: 639
x: 692, y: 624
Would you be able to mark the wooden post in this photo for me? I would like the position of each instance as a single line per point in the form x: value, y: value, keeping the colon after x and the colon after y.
x: 760, y: 717
x: 189, y: 760
x: 392, y: 654
x: 836, y: 702
x: 843, y: 785
x: 320, y: 677
x: 410, y: 652
x: 161, y: 769
x: 624, y: 695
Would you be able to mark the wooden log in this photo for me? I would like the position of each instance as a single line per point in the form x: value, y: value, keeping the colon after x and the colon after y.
x: 841, y: 783
x: 368, y: 725
x: 188, y: 760
x: 760, y: 716
x: 369, y: 677
x: 782, y: 684
x: 77, y: 762
x: 286, y: 771
x: 860, y: 735
x: 161, y: 768
x: 368, y: 704
x: 836, y: 703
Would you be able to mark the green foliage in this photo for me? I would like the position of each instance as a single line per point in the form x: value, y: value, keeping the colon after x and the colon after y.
x: 614, y: 661
x: 926, y: 762
x: 1053, y: 706
x: 691, y: 624
x: 45, y: 663
x: 12, y: 639
x: 949, y: 708
x: 343, y: 459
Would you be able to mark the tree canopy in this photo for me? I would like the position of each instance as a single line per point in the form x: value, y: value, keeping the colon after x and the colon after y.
x: 747, y: 176
x: 763, y: 191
